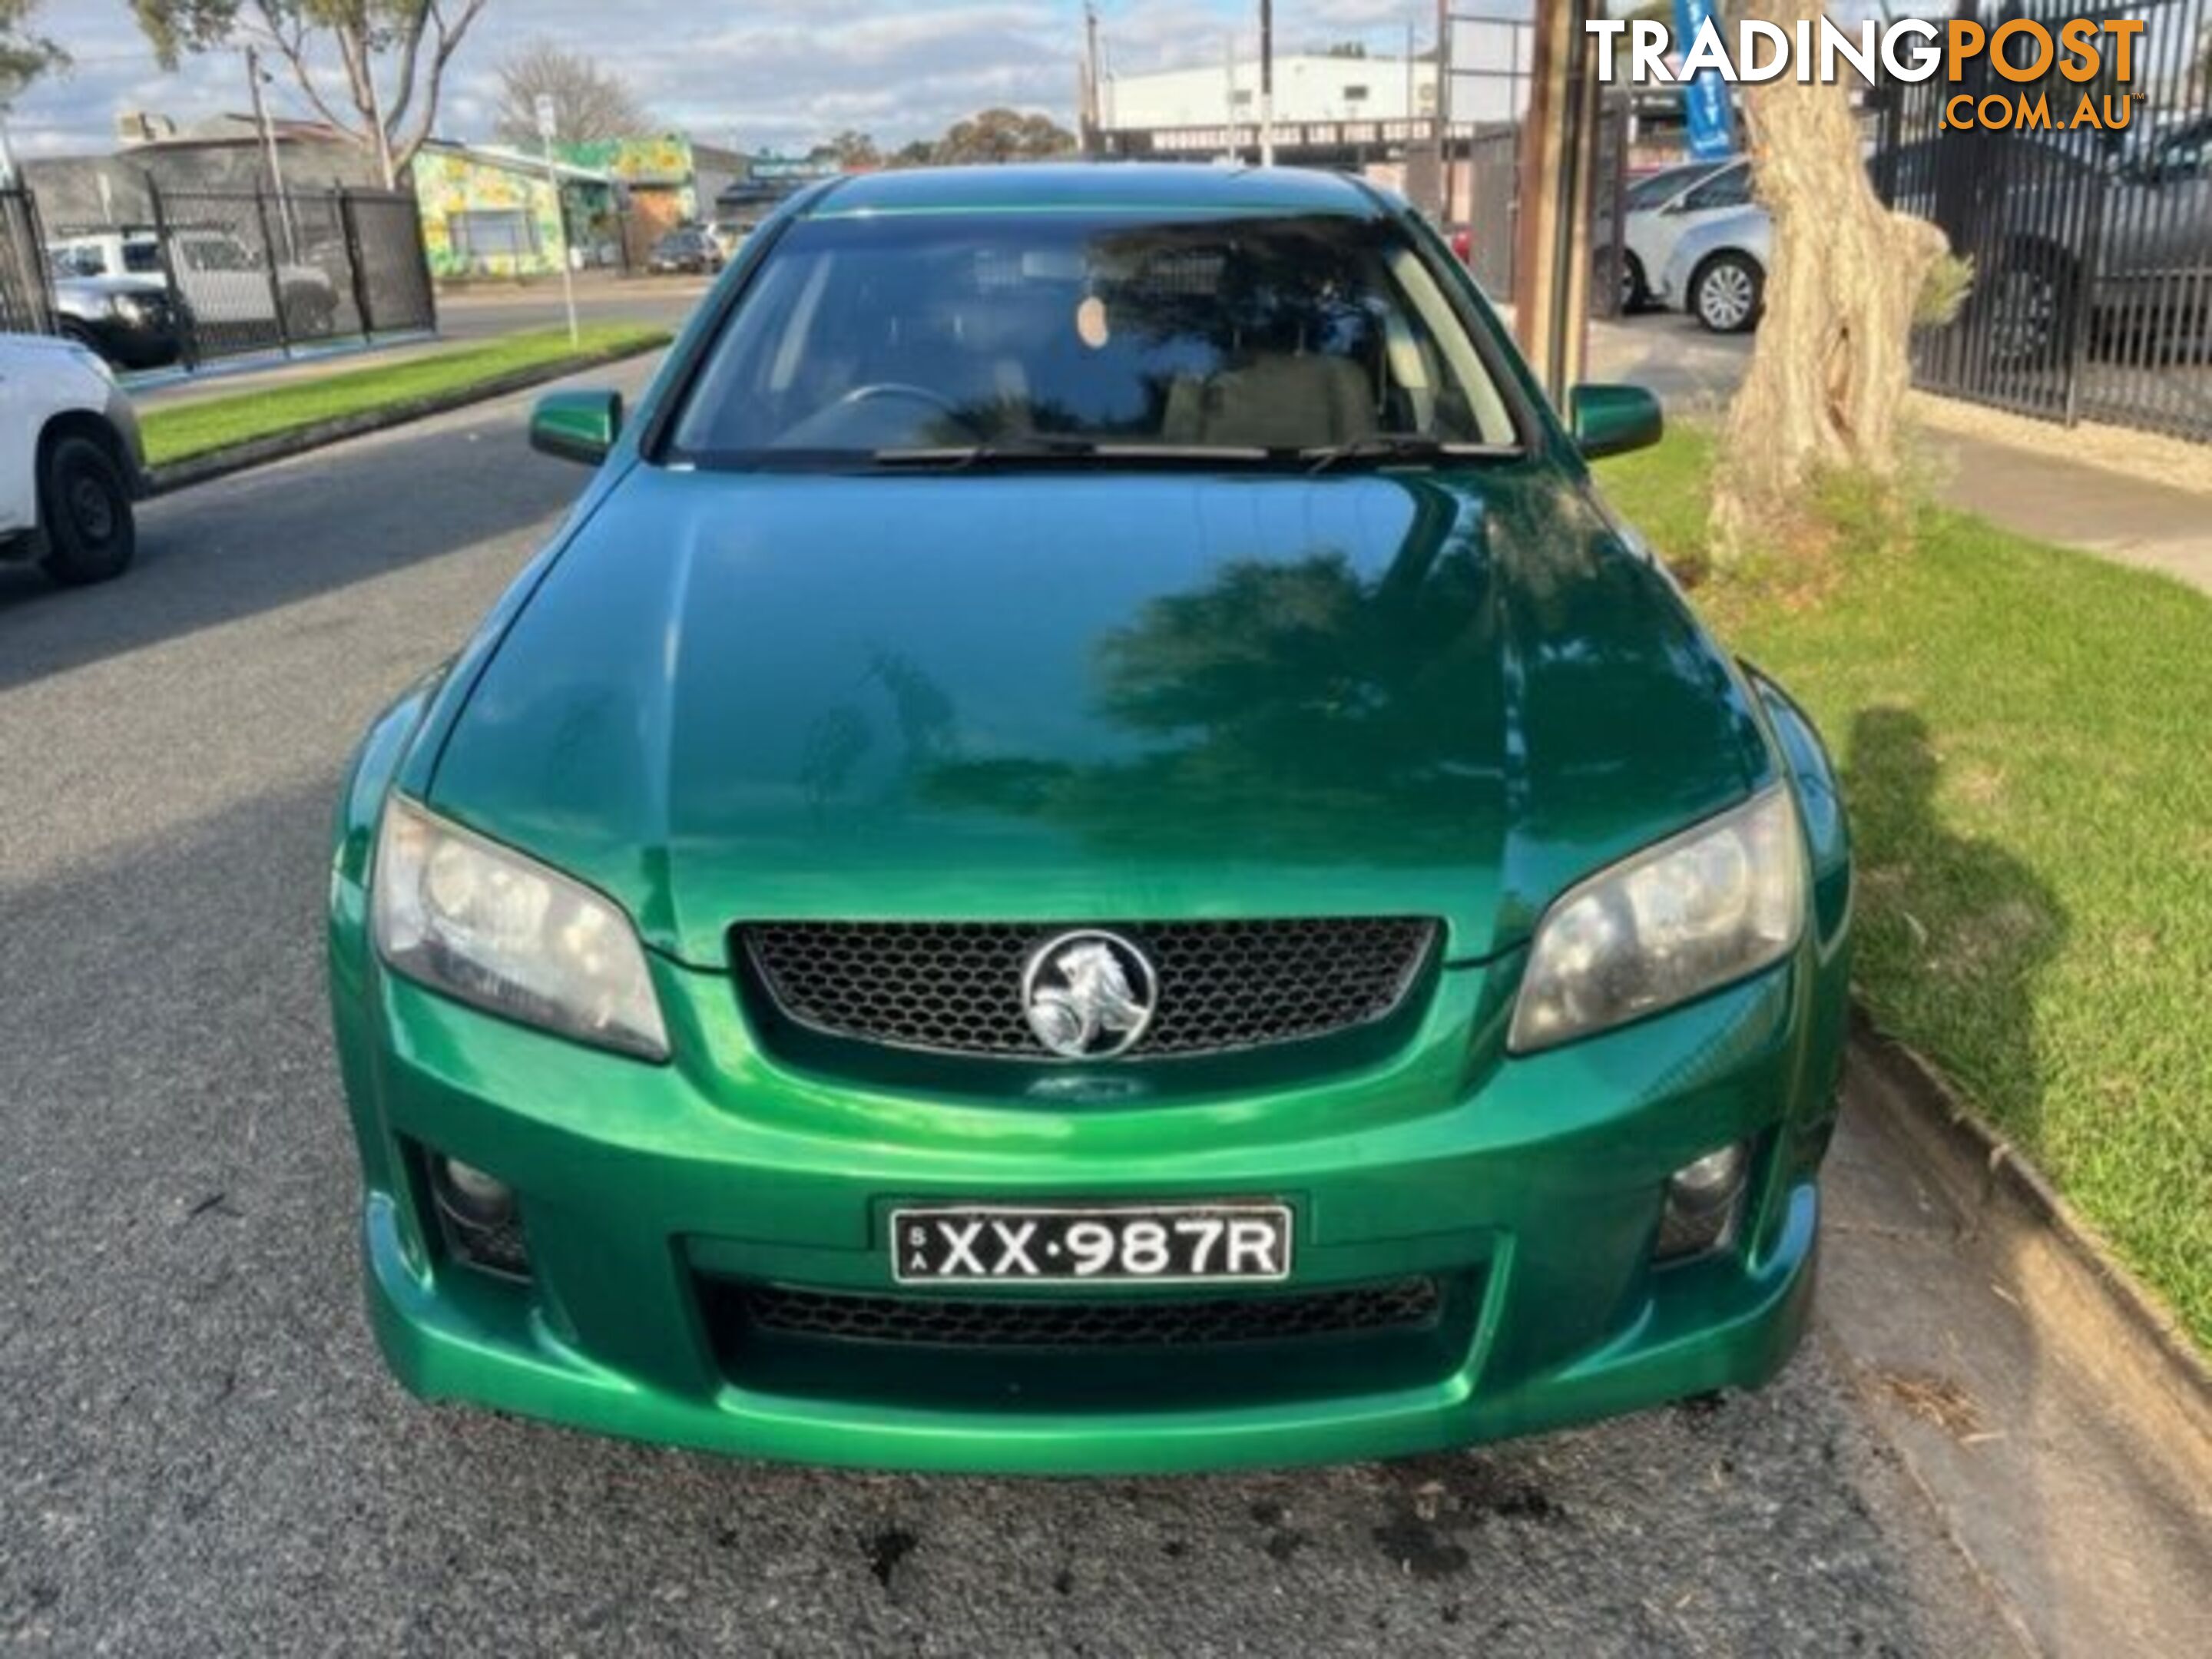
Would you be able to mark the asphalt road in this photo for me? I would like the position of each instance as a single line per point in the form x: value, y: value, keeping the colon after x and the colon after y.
x: 200, y: 1453
x: 477, y: 313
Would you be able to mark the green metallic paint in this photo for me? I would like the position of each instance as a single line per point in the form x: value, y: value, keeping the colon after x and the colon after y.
x: 1068, y: 696
x: 1613, y: 419
x: 980, y: 696
x: 576, y: 426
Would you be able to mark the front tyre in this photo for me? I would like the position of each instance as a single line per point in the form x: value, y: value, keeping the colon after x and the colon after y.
x: 84, y: 506
x: 1726, y: 292
x: 2029, y: 303
x: 1635, y: 287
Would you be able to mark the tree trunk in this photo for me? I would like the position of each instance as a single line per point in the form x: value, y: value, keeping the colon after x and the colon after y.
x: 1831, y: 364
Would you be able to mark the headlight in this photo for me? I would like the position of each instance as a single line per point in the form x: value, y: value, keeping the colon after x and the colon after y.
x: 1675, y: 920
x: 482, y: 923
x: 129, y: 307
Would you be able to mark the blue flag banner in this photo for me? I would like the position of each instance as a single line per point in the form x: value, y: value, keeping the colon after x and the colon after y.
x: 1705, y: 105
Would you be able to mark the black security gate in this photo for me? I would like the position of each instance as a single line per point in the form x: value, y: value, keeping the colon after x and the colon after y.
x: 1490, y: 165
x: 25, y: 306
x: 2091, y: 248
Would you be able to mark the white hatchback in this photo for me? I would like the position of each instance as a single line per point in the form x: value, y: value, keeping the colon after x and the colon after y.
x: 1667, y: 206
x: 71, y: 460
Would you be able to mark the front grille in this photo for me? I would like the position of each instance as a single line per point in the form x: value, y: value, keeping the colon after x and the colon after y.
x: 1008, y: 1322
x: 956, y: 987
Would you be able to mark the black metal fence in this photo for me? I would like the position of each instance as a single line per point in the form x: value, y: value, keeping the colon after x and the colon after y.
x: 2091, y: 246
x: 1490, y: 164
x: 24, y: 303
x: 249, y: 271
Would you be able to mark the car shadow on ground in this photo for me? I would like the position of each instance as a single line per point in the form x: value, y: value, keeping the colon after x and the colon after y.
x: 1954, y: 934
x: 1953, y: 931
x: 312, y: 532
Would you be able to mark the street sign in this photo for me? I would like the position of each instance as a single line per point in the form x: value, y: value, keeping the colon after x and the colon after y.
x: 543, y: 105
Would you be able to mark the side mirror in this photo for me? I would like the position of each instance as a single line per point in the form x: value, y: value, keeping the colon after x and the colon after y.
x: 576, y: 426
x: 1612, y: 420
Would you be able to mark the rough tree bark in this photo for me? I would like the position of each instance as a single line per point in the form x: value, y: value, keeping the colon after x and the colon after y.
x: 1830, y: 366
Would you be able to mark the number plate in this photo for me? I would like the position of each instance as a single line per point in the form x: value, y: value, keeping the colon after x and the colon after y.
x: 1185, y: 1244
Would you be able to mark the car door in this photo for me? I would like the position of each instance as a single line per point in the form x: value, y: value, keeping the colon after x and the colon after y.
x: 1653, y: 237
x: 222, y: 279
x: 19, y: 503
x: 2157, y: 245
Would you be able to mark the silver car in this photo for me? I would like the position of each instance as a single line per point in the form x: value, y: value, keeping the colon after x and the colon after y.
x: 1717, y: 272
x: 1664, y: 206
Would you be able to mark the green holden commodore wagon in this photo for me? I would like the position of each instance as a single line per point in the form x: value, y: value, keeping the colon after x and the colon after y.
x: 1090, y: 851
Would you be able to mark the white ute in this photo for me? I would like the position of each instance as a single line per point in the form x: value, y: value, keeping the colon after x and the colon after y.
x: 71, y: 461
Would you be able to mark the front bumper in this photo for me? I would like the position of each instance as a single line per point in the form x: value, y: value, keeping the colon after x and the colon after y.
x: 1529, y: 1188
x: 133, y: 344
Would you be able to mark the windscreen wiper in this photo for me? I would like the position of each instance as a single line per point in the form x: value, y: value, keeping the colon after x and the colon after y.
x: 1035, y: 447
x: 1402, y: 449
x: 1046, y: 448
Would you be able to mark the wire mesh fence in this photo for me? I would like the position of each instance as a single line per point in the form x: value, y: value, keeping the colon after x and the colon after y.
x: 2092, y: 246
x: 25, y: 304
x: 239, y: 272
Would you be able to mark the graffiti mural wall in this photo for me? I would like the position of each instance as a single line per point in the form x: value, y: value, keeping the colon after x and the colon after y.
x: 483, y: 218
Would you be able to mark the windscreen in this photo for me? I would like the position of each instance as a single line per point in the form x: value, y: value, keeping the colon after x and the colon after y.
x: 1653, y: 189
x: 1282, y: 335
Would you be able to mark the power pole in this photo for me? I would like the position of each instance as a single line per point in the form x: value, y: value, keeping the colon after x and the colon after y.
x: 376, y: 120
x: 1441, y: 114
x: 1229, y: 92
x: 1091, y: 110
x: 267, y: 132
x: 1551, y: 256
x: 1267, y: 83
x: 1409, y: 66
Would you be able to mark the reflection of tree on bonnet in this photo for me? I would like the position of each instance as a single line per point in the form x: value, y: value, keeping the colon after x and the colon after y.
x: 1325, y: 706
x: 840, y: 738
x: 1952, y: 930
x: 1270, y: 695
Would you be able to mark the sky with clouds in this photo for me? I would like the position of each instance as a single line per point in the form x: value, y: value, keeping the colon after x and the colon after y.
x: 762, y: 74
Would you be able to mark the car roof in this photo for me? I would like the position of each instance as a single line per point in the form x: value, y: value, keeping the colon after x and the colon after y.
x: 1048, y: 187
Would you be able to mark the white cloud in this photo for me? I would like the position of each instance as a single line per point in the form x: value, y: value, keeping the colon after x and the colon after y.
x: 767, y: 74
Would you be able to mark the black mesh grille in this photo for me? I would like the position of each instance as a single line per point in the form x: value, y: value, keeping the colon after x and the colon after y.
x: 956, y: 987
x: 1007, y: 1322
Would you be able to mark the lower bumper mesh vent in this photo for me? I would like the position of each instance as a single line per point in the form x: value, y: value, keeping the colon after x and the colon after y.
x: 1008, y: 1322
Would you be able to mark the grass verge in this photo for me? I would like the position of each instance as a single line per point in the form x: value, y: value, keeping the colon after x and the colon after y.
x: 2023, y: 731
x: 179, y: 432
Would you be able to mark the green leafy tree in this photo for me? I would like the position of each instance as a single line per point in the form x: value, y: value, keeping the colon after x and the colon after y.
x: 853, y: 151
x: 24, y: 56
x: 1002, y: 135
x: 392, y: 56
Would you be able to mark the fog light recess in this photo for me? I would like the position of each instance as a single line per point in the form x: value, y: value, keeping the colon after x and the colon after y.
x: 1703, y: 1201
x: 484, y: 1224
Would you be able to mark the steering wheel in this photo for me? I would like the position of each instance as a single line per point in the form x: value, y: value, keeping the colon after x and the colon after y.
x: 918, y: 394
x: 869, y: 417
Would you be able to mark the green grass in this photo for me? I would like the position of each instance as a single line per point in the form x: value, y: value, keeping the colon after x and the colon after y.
x: 2026, y: 735
x: 179, y: 431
